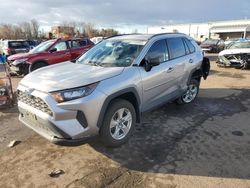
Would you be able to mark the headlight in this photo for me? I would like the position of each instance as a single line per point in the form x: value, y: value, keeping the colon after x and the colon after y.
x: 3, y: 91
x: 18, y: 61
x: 74, y: 93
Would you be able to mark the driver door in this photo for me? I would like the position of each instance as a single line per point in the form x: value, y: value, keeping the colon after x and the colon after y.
x: 61, y: 54
x: 157, y: 81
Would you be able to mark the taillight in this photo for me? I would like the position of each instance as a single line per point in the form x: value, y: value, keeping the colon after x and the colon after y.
x: 8, y: 50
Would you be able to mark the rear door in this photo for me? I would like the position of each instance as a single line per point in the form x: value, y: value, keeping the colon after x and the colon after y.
x: 61, y: 54
x: 178, y: 59
x: 78, y: 47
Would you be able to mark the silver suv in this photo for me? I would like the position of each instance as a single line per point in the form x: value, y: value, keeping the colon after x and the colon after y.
x: 106, y: 91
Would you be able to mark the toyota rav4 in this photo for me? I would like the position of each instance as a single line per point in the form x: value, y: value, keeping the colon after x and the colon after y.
x: 109, y: 87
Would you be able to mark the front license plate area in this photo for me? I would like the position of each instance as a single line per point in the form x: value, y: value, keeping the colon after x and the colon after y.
x: 30, y: 116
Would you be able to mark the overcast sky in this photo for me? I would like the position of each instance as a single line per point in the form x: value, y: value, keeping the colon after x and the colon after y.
x: 125, y: 15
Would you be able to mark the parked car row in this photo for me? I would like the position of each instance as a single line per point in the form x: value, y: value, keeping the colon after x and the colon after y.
x: 48, y: 53
x: 217, y: 45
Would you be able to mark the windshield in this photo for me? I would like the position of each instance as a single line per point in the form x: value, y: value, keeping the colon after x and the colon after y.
x: 113, y: 53
x: 210, y: 42
x: 43, y: 46
x: 236, y: 45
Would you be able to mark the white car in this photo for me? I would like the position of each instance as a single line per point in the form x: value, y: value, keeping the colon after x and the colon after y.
x: 236, y: 55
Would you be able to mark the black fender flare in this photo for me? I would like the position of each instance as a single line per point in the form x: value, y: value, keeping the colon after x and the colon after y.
x: 37, y: 61
x: 116, y: 95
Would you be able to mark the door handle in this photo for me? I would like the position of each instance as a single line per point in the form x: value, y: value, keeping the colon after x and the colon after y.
x: 170, y: 69
x: 191, y: 61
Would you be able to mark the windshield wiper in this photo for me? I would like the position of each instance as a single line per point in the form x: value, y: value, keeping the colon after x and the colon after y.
x: 93, y: 63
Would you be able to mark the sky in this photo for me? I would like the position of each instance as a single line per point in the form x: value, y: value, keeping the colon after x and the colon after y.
x: 123, y: 15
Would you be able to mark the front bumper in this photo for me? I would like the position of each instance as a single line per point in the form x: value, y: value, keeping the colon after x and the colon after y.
x: 223, y: 61
x: 69, y: 122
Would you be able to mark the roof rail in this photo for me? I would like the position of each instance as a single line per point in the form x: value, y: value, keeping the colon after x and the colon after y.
x: 159, y: 34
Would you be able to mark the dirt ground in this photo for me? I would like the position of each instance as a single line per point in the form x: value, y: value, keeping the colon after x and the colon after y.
x: 203, y: 144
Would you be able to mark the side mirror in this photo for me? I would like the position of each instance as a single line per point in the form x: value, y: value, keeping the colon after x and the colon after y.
x: 52, y: 50
x: 150, y: 62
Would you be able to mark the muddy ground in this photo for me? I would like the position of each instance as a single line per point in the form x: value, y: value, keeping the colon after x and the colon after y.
x: 203, y: 144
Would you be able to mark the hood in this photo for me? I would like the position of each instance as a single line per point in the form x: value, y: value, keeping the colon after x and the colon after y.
x: 67, y: 75
x: 234, y: 51
x: 207, y: 45
x: 24, y: 55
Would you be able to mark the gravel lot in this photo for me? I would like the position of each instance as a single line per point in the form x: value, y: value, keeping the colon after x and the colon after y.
x: 203, y: 144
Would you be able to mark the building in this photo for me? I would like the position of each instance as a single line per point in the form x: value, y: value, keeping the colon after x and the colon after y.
x: 202, y: 31
x: 62, y: 31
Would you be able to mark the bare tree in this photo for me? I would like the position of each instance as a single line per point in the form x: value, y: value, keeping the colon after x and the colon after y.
x: 34, y: 28
x: 90, y: 30
x: 26, y: 29
x: 6, y: 31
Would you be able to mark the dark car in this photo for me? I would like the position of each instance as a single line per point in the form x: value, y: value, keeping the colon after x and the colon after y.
x: 10, y: 47
x: 212, y: 45
x: 32, y: 43
x: 48, y: 53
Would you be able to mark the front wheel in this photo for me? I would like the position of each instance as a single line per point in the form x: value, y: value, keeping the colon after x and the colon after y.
x: 118, y: 123
x: 37, y: 65
x: 191, y: 93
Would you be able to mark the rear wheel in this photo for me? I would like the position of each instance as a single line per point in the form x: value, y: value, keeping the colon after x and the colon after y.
x: 191, y: 93
x: 118, y: 123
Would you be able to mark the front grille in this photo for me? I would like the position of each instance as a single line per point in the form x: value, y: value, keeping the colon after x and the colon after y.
x: 33, y: 101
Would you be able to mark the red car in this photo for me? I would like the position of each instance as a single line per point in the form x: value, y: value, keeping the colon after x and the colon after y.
x: 49, y: 53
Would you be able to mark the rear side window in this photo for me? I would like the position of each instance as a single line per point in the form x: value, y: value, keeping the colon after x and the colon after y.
x: 84, y: 43
x: 75, y: 44
x: 190, y: 45
x: 78, y: 43
x: 176, y: 47
x: 158, y: 51
x: 18, y: 44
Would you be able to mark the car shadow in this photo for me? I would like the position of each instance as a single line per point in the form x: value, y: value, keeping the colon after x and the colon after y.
x: 209, y: 137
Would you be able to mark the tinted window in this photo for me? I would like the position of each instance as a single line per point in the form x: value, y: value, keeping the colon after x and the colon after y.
x: 61, y: 46
x: 176, y: 47
x: 75, y: 44
x: 83, y: 43
x: 18, y: 44
x: 186, y: 47
x: 190, y: 45
x: 158, y: 52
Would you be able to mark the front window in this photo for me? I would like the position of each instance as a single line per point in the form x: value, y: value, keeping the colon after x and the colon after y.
x: 113, y: 53
x: 43, y: 46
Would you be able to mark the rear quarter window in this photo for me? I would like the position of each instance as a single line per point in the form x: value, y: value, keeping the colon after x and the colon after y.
x: 18, y: 44
x: 189, y: 45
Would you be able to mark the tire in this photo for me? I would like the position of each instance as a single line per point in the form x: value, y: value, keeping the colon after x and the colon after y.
x: 37, y: 65
x: 112, y: 133
x: 193, y: 87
